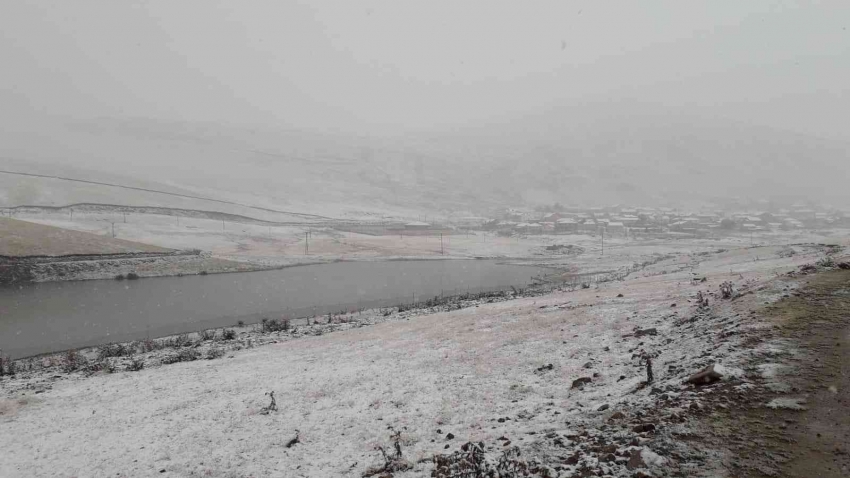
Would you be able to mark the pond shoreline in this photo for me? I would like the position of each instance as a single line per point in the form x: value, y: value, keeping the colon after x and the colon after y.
x: 217, y: 342
x: 69, y: 314
x: 88, y: 267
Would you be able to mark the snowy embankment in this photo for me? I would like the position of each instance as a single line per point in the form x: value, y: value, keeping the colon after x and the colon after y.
x: 504, y: 374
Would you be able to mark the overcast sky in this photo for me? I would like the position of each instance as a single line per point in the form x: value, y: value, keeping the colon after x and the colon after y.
x: 390, y: 66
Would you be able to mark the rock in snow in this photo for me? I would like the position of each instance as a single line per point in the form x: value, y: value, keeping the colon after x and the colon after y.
x: 704, y: 376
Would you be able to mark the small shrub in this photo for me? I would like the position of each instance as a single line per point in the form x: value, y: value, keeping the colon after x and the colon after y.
x: 72, y: 361
x: 241, y: 323
x: 7, y: 366
x: 119, y: 277
x: 272, y: 325
x: 393, y: 461
x: 135, y: 365
x: 726, y: 290
x: 114, y: 350
x: 228, y: 334
x: 827, y: 261
x: 104, y: 365
x: 214, y: 353
x: 208, y: 334
x: 132, y: 276
x: 184, y: 355
x: 182, y: 340
x: 107, y: 366
x: 272, y: 406
x: 203, y: 273
x: 148, y: 345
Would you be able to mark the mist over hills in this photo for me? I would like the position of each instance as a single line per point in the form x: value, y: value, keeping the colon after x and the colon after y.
x: 594, y: 153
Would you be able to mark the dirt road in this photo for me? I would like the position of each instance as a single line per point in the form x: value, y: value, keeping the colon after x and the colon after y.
x: 799, y: 425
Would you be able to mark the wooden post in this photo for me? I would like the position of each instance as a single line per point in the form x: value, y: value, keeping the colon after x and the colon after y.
x: 113, y: 230
x: 306, y: 243
x: 441, y: 243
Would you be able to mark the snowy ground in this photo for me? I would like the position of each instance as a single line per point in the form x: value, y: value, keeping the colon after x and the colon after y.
x: 479, y: 373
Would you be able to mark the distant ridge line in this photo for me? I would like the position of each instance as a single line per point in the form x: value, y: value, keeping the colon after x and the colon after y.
x: 190, y: 213
x: 187, y: 196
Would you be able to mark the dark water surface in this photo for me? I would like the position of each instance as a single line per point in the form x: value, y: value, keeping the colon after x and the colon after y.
x: 46, y: 317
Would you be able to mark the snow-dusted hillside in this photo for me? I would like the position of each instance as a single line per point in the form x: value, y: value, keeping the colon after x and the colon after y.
x: 476, y: 374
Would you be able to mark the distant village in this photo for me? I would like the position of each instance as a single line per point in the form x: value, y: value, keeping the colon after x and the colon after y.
x: 648, y: 221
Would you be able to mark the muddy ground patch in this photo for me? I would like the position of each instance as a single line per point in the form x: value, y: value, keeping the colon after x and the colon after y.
x: 797, y: 422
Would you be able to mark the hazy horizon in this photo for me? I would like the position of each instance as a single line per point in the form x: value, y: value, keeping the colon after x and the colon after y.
x: 398, y: 67
x: 414, y: 106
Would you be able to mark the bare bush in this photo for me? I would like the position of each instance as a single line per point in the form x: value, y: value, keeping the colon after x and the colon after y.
x: 114, y: 350
x: 7, y: 365
x: 107, y: 366
x: 228, y: 334
x: 148, y: 345
x: 72, y: 361
x: 472, y: 462
x: 826, y: 261
x: 132, y: 276
x: 702, y: 300
x: 182, y: 340
x: 787, y: 252
x: 183, y: 355
x: 214, y: 353
x: 393, y: 461
x: 136, y: 365
x: 208, y: 334
x: 726, y: 290
x: 101, y: 365
x: 272, y: 325
x: 273, y: 407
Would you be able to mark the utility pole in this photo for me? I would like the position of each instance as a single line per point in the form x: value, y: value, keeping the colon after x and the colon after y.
x: 441, y: 243
x: 306, y: 243
x: 603, y: 242
x: 125, y: 217
x: 113, y: 230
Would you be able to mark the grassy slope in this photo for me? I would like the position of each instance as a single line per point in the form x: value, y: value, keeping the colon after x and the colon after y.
x: 21, y: 238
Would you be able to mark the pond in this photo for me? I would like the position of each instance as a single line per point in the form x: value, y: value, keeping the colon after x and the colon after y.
x: 52, y: 316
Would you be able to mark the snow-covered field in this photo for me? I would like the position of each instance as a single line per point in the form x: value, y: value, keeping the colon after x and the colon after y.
x: 285, y: 245
x: 480, y: 374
